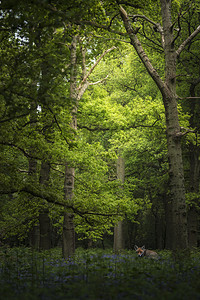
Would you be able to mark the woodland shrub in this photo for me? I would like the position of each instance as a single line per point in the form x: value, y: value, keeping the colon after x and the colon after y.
x: 97, y: 274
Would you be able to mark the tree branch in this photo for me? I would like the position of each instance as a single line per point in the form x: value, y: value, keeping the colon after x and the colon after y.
x: 95, y: 64
x: 54, y: 199
x: 99, y: 81
x: 182, y: 46
x: 140, y: 51
x: 119, y: 128
x: 26, y: 154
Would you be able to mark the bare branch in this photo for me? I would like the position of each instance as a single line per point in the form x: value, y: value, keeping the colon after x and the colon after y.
x: 140, y: 51
x: 178, y: 31
x: 98, y: 128
x: 58, y: 125
x: 179, y: 134
x: 95, y: 64
x: 181, y: 98
x: 157, y: 27
x: 100, y: 81
x: 182, y: 46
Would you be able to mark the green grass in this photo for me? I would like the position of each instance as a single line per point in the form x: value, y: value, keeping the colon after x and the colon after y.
x: 98, y: 274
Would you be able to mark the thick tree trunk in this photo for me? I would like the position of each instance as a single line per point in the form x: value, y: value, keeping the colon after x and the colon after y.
x: 176, y: 177
x: 118, y: 229
x: 176, y: 171
x: 118, y: 237
x: 45, y: 230
x: 68, y: 246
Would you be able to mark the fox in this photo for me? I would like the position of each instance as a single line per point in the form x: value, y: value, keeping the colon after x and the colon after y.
x: 141, y: 252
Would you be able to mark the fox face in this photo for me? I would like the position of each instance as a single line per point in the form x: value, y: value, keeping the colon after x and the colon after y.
x: 141, y: 252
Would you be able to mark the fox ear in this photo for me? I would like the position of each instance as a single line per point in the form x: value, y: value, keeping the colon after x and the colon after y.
x: 135, y: 247
x: 143, y: 247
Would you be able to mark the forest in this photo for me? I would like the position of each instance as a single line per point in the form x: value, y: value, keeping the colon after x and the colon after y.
x: 99, y: 146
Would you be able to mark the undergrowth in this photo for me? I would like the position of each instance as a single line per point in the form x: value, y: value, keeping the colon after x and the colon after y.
x: 97, y: 274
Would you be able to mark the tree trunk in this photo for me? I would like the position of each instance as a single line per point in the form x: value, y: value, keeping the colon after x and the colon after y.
x: 44, y: 220
x: 68, y: 246
x: 34, y: 234
x: 176, y: 176
x: 176, y: 171
x: 118, y: 229
x: 45, y: 230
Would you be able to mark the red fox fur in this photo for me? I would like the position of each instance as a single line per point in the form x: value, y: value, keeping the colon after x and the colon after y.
x: 141, y: 252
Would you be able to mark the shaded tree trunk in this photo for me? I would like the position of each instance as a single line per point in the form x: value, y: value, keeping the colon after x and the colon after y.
x: 34, y: 234
x: 44, y: 220
x: 118, y: 229
x: 68, y: 245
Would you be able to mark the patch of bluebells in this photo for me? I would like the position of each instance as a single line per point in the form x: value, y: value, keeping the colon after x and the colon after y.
x: 97, y: 275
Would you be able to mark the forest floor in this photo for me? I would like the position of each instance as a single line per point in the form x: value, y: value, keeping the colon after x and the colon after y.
x: 97, y: 274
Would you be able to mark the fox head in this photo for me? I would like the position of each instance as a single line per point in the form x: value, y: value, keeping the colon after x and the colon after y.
x: 140, y: 250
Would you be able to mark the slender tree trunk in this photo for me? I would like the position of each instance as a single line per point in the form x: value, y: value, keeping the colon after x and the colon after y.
x: 44, y: 220
x: 118, y: 229
x: 68, y: 247
x: 34, y: 234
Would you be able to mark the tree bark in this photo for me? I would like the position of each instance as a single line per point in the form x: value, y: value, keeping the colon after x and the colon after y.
x: 176, y: 171
x: 44, y: 220
x: 68, y: 246
x: 118, y: 228
x: 34, y: 234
